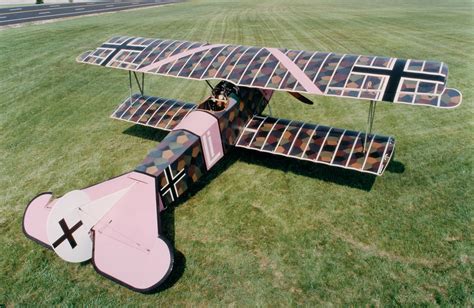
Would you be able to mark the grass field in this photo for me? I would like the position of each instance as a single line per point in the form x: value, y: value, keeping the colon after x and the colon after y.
x: 257, y: 230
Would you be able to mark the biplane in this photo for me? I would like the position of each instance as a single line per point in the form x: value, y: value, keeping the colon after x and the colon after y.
x: 116, y: 223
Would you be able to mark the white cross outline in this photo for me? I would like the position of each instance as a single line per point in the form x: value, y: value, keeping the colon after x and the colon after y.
x: 171, y: 183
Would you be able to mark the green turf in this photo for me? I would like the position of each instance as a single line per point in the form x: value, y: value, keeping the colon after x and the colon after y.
x: 258, y: 230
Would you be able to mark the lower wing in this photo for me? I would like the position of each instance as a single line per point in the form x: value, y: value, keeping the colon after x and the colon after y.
x: 332, y: 146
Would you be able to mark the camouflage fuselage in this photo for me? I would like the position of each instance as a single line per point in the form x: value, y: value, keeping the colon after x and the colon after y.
x: 184, y: 156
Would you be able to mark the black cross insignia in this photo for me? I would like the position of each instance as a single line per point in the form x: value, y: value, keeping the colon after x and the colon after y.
x: 117, y: 48
x: 171, y: 181
x: 395, y: 75
x: 67, y: 234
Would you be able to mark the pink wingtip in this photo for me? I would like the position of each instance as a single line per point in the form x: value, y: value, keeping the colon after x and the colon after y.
x: 36, y: 216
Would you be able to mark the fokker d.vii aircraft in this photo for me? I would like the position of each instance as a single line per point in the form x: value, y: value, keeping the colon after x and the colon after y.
x: 116, y: 223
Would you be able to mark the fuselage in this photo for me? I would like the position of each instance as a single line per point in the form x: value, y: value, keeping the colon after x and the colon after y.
x: 199, y: 141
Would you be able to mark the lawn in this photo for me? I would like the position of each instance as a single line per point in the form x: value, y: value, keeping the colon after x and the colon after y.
x: 258, y: 230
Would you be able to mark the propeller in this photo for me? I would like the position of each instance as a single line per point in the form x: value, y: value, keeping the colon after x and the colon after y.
x: 301, y: 98
x: 210, y: 85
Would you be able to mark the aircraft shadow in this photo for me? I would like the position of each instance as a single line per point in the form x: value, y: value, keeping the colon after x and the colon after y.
x: 340, y: 176
x: 179, y: 266
x: 146, y: 132
x: 325, y: 173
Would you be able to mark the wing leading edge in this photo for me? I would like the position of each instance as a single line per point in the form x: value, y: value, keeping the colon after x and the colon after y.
x: 412, y: 82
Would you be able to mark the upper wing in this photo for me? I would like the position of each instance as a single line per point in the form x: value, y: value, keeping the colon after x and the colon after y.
x: 361, y: 77
x: 318, y: 144
x: 152, y: 111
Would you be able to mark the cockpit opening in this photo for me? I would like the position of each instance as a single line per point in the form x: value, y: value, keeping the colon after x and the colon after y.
x: 220, y: 98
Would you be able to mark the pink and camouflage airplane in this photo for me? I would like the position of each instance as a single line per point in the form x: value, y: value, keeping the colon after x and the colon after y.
x: 116, y: 223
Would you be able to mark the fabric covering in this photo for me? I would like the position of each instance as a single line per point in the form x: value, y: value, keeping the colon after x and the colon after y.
x: 414, y: 82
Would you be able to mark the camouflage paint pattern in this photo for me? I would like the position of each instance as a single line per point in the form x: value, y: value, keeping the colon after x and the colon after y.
x: 248, y: 103
x: 318, y: 144
x: 178, y: 161
x: 360, y: 77
x: 179, y: 153
x: 152, y: 111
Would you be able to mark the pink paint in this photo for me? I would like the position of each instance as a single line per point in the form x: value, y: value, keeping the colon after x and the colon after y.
x: 206, y: 127
x: 36, y: 216
x: 127, y: 246
x: 126, y: 243
x: 177, y: 56
x: 302, y: 78
x: 99, y: 190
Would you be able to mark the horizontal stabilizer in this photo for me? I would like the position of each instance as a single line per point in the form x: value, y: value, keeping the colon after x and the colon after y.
x: 153, y: 111
x: 36, y: 216
x: 318, y: 144
x: 116, y: 223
